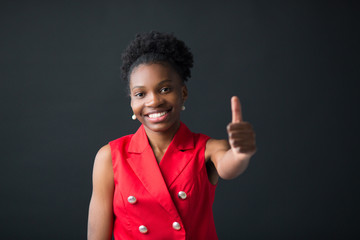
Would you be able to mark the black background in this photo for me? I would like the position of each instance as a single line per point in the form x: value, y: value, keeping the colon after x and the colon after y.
x: 294, y: 65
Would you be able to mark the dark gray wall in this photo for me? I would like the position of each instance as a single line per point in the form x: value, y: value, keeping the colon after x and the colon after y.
x: 294, y: 65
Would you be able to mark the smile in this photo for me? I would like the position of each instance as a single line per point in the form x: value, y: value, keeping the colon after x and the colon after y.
x: 157, y: 115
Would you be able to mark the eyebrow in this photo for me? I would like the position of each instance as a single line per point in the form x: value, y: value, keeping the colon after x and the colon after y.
x: 160, y: 83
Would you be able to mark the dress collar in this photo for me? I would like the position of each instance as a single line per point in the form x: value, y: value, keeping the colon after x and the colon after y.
x: 183, y: 139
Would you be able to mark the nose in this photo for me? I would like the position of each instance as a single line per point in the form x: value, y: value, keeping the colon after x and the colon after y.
x: 154, y: 100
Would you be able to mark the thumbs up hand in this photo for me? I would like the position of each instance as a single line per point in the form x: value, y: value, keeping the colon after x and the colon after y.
x: 241, y: 134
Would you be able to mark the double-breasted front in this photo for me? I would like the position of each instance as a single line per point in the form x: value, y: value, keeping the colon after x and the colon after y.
x: 170, y: 200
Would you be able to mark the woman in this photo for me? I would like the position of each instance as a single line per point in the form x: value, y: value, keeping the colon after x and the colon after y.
x: 159, y: 183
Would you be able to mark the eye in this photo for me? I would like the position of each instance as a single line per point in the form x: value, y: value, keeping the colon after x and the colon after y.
x: 139, y: 94
x: 165, y: 90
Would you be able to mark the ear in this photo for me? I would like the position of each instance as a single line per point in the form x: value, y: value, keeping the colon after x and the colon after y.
x: 184, y: 92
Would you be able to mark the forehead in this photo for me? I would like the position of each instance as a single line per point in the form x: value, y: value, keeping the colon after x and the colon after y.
x: 152, y: 74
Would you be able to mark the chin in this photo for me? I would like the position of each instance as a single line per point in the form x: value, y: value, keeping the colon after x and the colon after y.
x: 161, y: 127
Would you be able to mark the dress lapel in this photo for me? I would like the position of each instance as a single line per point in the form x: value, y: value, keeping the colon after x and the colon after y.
x: 177, y: 156
x: 146, y: 168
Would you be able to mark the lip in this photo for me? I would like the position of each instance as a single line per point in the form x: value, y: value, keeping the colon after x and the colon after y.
x: 160, y: 118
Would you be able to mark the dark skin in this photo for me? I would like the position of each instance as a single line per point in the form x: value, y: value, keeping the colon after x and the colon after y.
x: 157, y: 94
x: 155, y: 90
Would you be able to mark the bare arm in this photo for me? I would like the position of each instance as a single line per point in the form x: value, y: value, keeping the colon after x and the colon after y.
x: 232, y: 157
x: 100, y: 221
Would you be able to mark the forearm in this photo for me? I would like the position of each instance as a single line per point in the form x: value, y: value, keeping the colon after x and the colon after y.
x: 242, y: 145
x: 232, y: 164
x: 232, y: 157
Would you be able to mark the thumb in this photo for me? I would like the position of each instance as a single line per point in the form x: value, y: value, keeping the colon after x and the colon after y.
x: 236, y: 110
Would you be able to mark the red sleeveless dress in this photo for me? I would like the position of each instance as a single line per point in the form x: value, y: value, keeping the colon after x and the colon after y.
x: 170, y: 200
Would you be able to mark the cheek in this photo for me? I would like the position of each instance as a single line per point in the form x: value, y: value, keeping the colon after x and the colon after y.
x: 135, y: 107
x: 180, y: 99
x: 177, y: 97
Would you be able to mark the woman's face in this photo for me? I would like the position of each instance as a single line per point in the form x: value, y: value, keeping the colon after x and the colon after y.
x: 157, y: 96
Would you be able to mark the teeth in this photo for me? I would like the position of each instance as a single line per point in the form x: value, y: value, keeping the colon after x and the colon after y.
x: 156, y: 115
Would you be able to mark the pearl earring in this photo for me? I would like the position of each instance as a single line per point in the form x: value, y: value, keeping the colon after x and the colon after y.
x: 133, y: 117
x: 183, y: 108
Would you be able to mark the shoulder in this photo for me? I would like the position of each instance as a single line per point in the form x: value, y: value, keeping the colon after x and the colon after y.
x: 103, y: 158
x: 104, y: 152
x: 103, y: 175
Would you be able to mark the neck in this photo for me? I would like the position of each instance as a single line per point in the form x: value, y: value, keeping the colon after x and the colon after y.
x: 159, y: 141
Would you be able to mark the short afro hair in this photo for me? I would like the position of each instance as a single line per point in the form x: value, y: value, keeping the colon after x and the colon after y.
x: 156, y: 47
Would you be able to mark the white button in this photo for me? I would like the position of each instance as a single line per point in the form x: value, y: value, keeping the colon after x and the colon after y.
x: 143, y: 229
x: 182, y: 195
x: 132, y: 199
x: 176, y: 226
